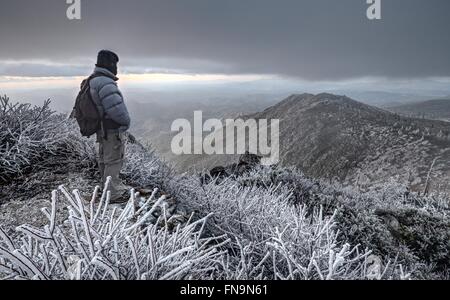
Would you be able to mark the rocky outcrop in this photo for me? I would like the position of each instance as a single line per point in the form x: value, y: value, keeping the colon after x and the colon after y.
x: 246, y: 163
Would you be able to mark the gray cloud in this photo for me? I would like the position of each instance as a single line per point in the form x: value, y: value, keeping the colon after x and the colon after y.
x: 310, y: 39
x: 28, y: 69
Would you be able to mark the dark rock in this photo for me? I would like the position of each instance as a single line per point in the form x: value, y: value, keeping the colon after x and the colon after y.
x: 217, y: 173
x: 246, y: 163
x: 249, y: 159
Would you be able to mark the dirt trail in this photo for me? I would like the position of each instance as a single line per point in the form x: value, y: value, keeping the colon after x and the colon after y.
x: 21, y: 203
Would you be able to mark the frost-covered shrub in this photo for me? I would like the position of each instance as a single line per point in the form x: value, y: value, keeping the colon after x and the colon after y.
x: 97, y: 241
x: 33, y: 137
x: 250, y: 233
x: 242, y: 203
x: 273, y: 239
x: 143, y: 168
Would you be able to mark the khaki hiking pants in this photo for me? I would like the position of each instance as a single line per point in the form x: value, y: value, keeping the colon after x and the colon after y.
x: 111, y: 152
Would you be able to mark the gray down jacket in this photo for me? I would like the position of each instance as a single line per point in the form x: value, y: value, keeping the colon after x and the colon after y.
x: 109, y: 99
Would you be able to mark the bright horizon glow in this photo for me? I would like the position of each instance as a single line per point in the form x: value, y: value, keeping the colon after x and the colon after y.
x: 243, y: 83
x: 16, y: 82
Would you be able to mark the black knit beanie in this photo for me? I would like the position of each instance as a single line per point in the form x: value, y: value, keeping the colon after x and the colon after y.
x: 108, y: 60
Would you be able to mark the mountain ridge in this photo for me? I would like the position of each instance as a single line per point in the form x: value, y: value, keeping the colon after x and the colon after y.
x: 337, y: 138
x: 337, y: 131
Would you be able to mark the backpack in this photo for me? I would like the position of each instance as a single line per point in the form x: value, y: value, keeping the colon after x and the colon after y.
x: 85, y: 111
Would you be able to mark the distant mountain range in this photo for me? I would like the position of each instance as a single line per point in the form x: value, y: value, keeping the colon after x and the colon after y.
x: 438, y: 109
x: 335, y: 137
x: 384, y: 99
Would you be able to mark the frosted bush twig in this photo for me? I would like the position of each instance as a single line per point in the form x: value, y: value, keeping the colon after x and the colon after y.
x: 112, y: 252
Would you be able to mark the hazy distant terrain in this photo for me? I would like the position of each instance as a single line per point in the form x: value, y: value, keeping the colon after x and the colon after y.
x: 437, y: 109
x: 152, y: 120
x: 385, y: 99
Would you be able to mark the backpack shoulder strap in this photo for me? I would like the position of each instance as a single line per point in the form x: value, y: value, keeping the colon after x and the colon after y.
x: 87, y: 81
x: 95, y: 75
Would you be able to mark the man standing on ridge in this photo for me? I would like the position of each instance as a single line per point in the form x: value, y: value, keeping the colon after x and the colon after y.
x: 115, y: 122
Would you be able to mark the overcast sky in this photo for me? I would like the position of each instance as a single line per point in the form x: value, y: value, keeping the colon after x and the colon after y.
x: 307, y: 39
